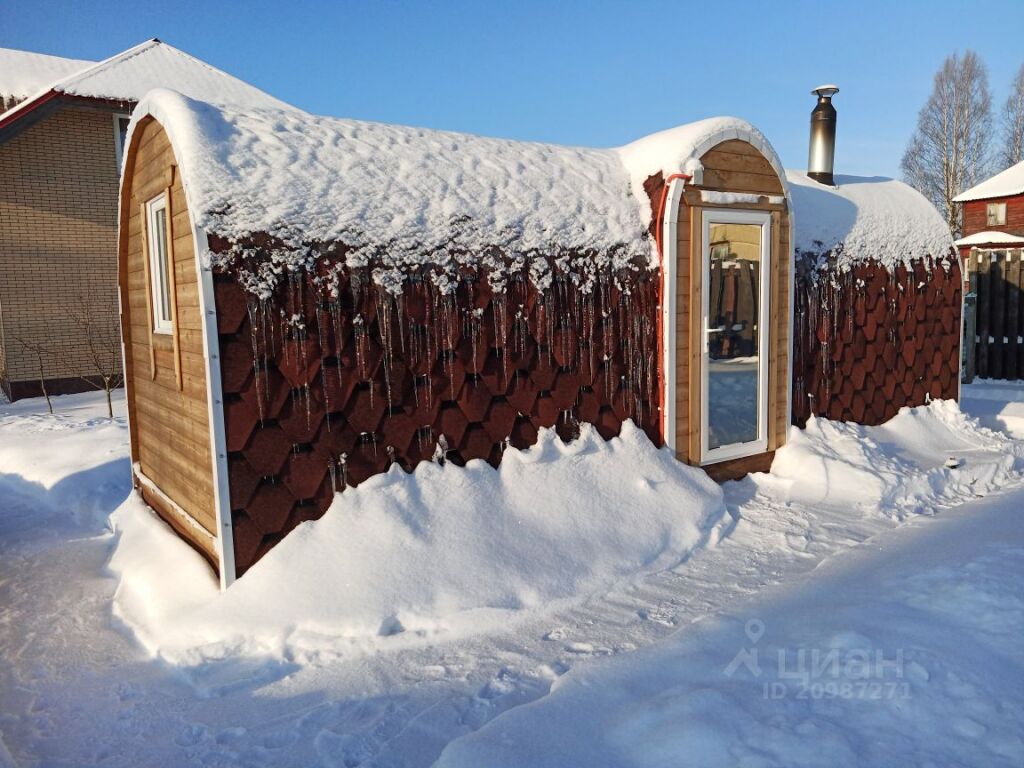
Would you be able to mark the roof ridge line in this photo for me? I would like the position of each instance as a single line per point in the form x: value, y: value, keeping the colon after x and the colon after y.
x: 99, y: 66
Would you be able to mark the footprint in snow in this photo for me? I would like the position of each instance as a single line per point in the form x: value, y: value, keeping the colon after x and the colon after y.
x: 552, y: 671
x: 232, y: 737
x: 917, y: 672
x: 558, y: 633
x: 969, y: 729
x: 190, y: 735
x: 279, y: 739
x: 498, y: 687
x: 434, y: 672
x: 658, y: 615
x: 586, y: 649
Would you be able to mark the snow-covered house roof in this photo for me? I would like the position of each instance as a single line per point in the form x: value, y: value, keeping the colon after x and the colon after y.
x: 991, y: 237
x: 399, y: 197
x: 865, y: 218
x: 23, y: 73
x: 1009, y: 182
x: 129, y: 75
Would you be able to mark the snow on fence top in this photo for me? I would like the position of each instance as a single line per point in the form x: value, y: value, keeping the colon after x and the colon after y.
x: 1009, y: 182
x: 863, y: 219
x: 22, y: 73
x: 398, y: 198
x: 991, y: 237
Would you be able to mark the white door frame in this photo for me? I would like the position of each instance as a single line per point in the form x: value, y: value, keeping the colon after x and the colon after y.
x: 760, y: 445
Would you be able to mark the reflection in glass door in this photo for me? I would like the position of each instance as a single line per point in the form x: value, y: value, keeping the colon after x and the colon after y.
x: 735, y: 329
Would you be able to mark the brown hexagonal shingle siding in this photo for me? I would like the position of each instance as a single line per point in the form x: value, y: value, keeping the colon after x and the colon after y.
x: 322, y: 395
x: 870, y: 341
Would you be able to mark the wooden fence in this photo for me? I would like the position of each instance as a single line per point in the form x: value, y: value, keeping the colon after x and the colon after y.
x: 997, y: 278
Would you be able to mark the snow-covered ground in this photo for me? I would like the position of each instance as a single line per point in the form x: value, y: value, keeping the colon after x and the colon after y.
x: 997, y: 405
x: 904, y: 652
x: 838, y: 550
x: 407, y: 559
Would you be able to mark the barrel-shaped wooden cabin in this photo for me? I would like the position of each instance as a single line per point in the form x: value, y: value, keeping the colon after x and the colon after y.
x: 308, y: 301
x: 878, y: 302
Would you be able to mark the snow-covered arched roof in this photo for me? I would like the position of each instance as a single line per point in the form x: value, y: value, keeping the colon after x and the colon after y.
x: 680, y: 149
x: 865, y: 218
x: 415, y: 193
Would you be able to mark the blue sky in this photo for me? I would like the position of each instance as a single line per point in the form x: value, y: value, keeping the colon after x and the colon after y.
x: 587, y: 73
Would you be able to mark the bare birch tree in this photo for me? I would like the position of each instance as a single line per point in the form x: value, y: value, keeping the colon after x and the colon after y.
x: 102, y: 333
x: 1013, y: 123
x: 949, y: 151
x: 39, y: 351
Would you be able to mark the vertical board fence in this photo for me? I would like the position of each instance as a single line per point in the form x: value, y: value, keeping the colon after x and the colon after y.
x: 998, y: 276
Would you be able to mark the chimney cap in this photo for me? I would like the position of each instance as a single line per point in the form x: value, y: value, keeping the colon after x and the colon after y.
x: 828, y: 90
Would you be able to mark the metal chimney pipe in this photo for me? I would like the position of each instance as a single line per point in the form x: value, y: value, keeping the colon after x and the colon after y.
x: 822, y: 152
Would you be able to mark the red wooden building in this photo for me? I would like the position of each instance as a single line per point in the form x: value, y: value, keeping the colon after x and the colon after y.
x: 992, y: 250
x: 993, y: 213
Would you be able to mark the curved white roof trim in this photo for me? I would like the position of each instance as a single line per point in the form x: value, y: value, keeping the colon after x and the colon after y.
x: 176, y: 124
x: 679, y: 150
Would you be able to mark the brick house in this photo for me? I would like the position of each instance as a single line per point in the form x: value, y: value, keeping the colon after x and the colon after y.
x: 993, y: 213
x: 60, y: 145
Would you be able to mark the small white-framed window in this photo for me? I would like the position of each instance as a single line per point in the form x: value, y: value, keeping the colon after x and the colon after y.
x: 159, y: 263
x: 995, y: 214
x: 121, y: 122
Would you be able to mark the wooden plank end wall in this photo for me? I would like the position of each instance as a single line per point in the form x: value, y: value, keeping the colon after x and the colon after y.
x: 732, y: 166
x: 170, y: 425
x: 682, y: 321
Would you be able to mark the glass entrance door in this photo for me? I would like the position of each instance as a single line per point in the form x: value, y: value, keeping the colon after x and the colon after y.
x: 735, y: 314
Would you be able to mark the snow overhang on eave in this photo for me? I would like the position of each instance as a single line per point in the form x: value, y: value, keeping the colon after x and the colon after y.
x: 990, y: 238
x: 30, y: 112
x: 967, y: 197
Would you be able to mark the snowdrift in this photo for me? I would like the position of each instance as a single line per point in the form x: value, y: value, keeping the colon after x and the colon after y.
x: 920, y: 626
x: 448, y: 551
x: 445, y: 550
x: 73, y: 487
x: 897, y: 468
x: 923, y: 632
